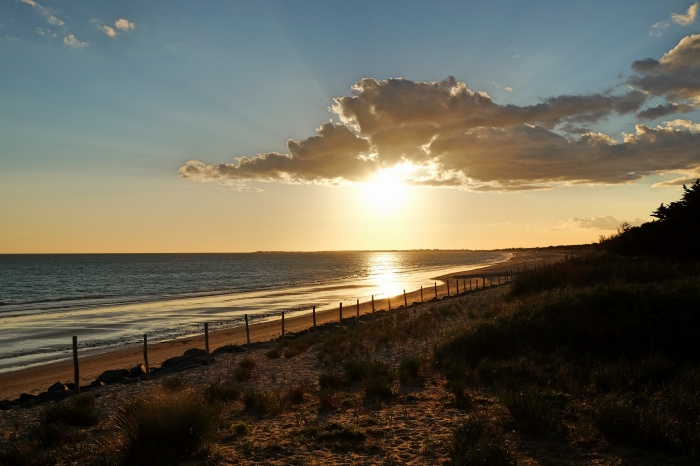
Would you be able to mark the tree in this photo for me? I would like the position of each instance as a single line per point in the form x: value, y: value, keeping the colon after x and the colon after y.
x: 675, y: 234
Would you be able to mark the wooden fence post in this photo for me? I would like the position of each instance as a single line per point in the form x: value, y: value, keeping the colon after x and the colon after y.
x: 421, y: 294
x: 372, y: 304
x: 247, y: 334
x: 388, y: 301
x: 206, y: 340
x: 435, y: 290
x: 145, y: 356
x: 340, y: 311
x: 448, y: 286
x: 314, y: 315
x: 76, y: 368
x: 358, y: 309
x: 282, y: 324
x: 405, y: 302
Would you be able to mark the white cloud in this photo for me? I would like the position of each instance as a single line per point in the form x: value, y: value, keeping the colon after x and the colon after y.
x: 71, y: 41
x: 121, y: 26
x: 109, y: 31
x: 688, y: 18
x: 695, y: 127
x: 657, y: 29
x: 124, y: 24
x: 55, y: 21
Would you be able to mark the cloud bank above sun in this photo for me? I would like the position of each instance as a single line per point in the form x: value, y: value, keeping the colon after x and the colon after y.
x: 453, y: 136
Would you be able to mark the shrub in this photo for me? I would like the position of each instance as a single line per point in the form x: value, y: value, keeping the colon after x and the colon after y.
x: 327, y: 398
x: 80, y: 410
x: 476, y: 442
x: 329, y: 380
x: 174, y: 383
x: 223, y: 392
x: 57, y: 421
x: 24, y: 454
x: 244, y: 371
x: 295, y: 394
x: 529, y: 408
x: 166, y: 428
x: 261, y: 401
x: 409, y: 370
x: 378, y: 379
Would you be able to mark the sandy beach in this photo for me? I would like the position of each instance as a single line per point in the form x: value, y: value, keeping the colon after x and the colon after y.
x: 36, y: 379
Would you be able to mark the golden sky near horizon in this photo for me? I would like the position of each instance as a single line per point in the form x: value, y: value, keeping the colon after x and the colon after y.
x: 174, y: 128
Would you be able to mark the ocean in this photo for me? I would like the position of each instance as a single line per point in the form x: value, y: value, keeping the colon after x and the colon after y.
x: 110, y: 300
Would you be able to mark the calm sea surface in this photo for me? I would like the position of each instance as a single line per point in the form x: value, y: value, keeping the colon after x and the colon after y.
x: 113, y: 299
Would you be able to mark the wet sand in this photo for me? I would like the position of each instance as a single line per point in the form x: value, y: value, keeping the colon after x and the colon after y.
x: 37, y: 379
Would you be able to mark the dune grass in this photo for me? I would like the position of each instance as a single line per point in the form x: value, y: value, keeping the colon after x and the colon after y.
x: 613, y: 333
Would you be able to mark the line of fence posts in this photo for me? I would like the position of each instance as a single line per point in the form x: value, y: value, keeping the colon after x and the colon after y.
x: 508, y: 275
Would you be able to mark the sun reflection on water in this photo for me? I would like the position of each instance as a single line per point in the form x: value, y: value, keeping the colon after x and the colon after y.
x: 383, y: 271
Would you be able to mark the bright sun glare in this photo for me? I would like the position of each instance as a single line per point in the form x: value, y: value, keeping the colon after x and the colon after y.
x: 385, y: 191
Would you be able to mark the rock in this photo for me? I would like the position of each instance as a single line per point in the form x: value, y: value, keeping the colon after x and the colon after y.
x: 177, y: 360
x: 27, y: 398
x: 195, y: 352
x: 57, y: 387
x: 97, y: 383
x: 52, y: 396
x: 113, y: 376
x: 232, y: 348
x: 137, y: 371
x: 7, y: 404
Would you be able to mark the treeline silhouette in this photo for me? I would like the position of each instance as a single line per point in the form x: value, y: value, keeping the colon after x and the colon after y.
x: 675, y: 234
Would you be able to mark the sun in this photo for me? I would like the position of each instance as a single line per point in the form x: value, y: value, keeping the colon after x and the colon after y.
x: 386, y: 191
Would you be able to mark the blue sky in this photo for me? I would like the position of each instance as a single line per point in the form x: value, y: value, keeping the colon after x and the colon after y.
x: 120, y: 123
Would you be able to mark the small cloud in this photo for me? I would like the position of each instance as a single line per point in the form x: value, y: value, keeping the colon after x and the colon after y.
x: 601, y: 223
x: 658, y: 28
x: 55, y: 21
x: 29, y: 2
x: 506, y: 88
x: 688, y: 179
x: 124, y: 24
x: 121, y: 26
x: 688, y: 18
x: 109, y: 31
x: 71, y: 41
x: 514, y: 52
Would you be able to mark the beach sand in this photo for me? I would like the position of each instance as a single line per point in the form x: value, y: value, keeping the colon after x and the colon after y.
x: 37, y: 379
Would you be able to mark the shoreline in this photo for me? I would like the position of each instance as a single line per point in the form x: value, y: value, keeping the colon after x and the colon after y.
x: 36, y: 379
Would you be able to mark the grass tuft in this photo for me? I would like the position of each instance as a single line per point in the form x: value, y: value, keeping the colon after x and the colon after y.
x: 166, y: 428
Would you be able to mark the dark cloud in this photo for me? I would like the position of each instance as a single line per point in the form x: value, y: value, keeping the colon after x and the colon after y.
x: 675, y: 76
x: 662, y: 110
x: 453, y: 136
x: 335, y: 155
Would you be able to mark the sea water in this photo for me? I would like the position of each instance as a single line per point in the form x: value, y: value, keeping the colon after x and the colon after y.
x: 109, y: 300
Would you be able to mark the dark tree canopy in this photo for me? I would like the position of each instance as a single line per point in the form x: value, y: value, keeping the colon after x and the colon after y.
x: 675, y: 234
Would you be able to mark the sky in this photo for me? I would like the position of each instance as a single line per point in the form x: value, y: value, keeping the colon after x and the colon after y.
x: 235, y: 126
